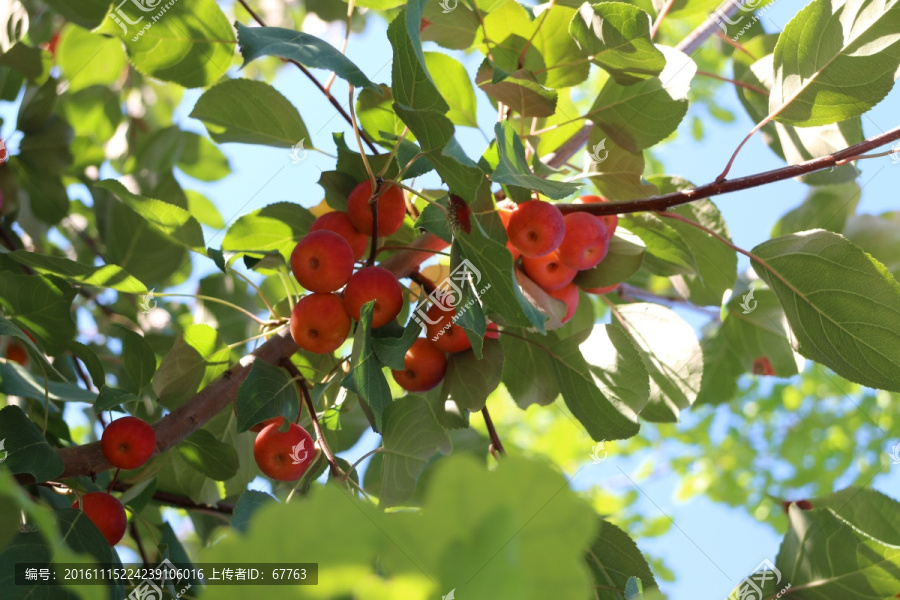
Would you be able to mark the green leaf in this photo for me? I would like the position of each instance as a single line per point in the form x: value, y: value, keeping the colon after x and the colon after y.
x: 139, y: 359
x: 106, y: 276
x: 843, y: 305
x: 615, y: 560
x: 250, y: 112
x: 306, y: 49
x: 38, y: 103
x: 15, y: 380
x: 605, y: 398
x: 109, y: 398
x: 641, y: 115
x: 192, y: 43
x: 411, y: 83
x: 434, y: 220
x: 492, y: 267
x: 518, y: 90
x: 204, y: 210
x: 377, y: 117
x: 87, y: 13
x: 171, y: 220
x: 866, y: 509
x: 824, y: 208
x: 624, y: 259
x: 618, y: 175
x: 391, y: 350
x: 87, y: 59
x: 33, y: 63
x: 525, y: 372
x: 366, y: 378
x: 558, y: 50
x: 455, y: 86
x: 616, y: 37
x: 41, y: 305
x: 8, y: 328
x: 412, y: 435
x: 201, y: 159
x: 879, y: 236
x: 665, y: 253
x: 514, y: 169
x: 247, y: 505
x: 215, y: 459
x: 198, y: 357
x: 672, y: 355
x: 454, y: 29
x: 469, y: 381
x: 24, y: 447
x: 843, y: 69
x: 267, y: 392
x: 721, y: 369
x: 277, y: 227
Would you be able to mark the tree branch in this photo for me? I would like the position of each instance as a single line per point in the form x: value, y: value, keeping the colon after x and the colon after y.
x: 716, y: 188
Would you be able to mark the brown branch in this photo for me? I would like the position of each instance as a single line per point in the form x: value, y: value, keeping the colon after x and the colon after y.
x: 716, y: 188
x: 320, y: 435
x: 309, y: 75
x: 495, y: 439
x: 423, y: 280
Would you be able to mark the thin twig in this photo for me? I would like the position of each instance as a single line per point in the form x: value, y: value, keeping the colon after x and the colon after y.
x: 495, y: 439
x: 662, y: 15
x: 748, y: 86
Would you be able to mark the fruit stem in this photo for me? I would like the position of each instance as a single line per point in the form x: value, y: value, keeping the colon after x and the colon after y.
x: 373, y: 205
x: 258, y: 291
x: 361, y: 458
x: 496, y: 444
x: 295, y: 374
x: 223, y: 302
x: 113, y: 482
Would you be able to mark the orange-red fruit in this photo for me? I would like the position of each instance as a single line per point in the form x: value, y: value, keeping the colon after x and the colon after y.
x: 338, y: 222
x: 106, y: 513
x: 322, y: 261
x: 493, y: 332
x: 504, y: 218
x: 283, y: 456
x: 601, y: 290
x: 391, y: 209
x: 380, y: 285
x: 549, y: 272
x: 320, y: 323
x: 586, y: 241
x: 16, y: 352
x: 569, y: 295
x: 536, y: 228
x: 424, y: 366
x: 128, y: 442
x: 612, y: 221
x: 446, y: 335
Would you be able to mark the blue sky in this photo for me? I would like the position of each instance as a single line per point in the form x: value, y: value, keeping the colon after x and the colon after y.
x: 706, y: 563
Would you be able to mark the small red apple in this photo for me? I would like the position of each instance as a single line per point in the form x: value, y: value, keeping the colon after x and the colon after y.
x: 128, y: 442
x: 424, y: 366
x: 107, y: 513
x: 283, y: 456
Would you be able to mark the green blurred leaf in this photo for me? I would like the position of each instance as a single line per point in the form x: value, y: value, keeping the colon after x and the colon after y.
x: 615, y: 560
x: 87, y: 13
x: 826, y: 207
x: 455, y: 86
x: 246, y: 507
x: 41, y: 305
x: 87, y: 59
x: 15, y: 380
x: 469, y: 380
x: 139, y: 360
x: 198, y: 357
x: 215, y: 459
x: 624, y: 259
x: 109, y: 398
x: 277, y: 227
x: 106, y: 276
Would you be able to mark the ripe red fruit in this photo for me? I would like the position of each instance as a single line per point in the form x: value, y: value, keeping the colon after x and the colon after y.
x: 391, y: 209
x: 586, y: 241
x: 549, y: 272
x: 612, y: 221
x: 504, y: 218
x: 444, y: 333
x: 128, y: 443
x: 424, y: 366
x: 320, y: 323
x: 374, y: 283
x: 601, y: 290
x: 322, y: 261
x: 460, y: 214
x: 338, y: 222
x: 536, y: 228
x: 493, y: 332
x: 283, y: 456
x: 16, y: 352
x: 106, y: 513
x: 569, y: 295
x: 763, y: 366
